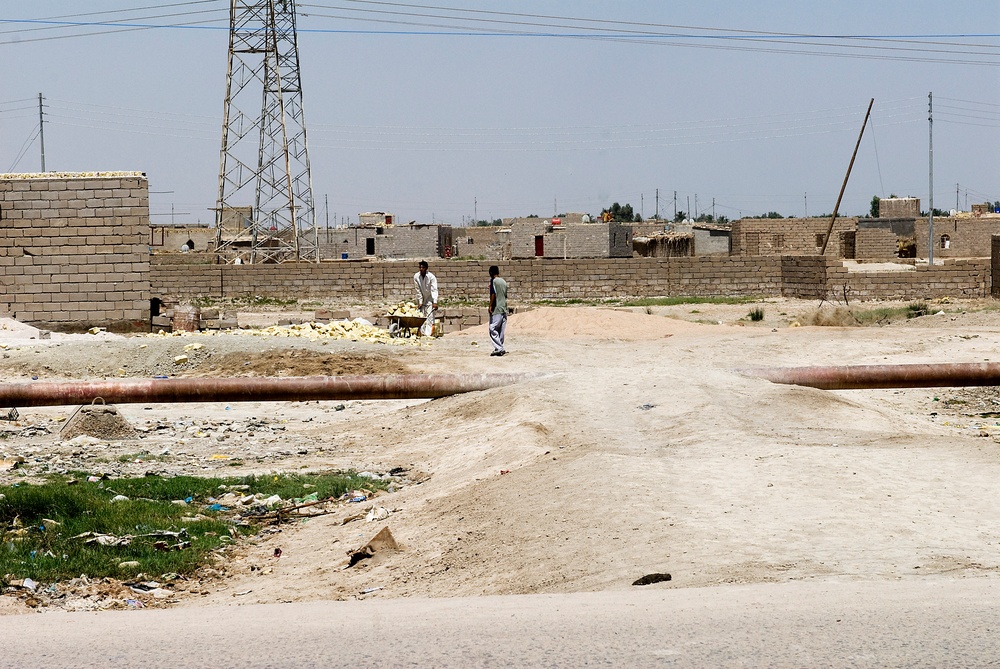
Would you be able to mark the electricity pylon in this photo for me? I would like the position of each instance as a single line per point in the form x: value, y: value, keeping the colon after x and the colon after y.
x: 265, y: 211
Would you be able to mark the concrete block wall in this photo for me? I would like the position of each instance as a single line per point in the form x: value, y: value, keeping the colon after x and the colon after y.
x: 479, y: 241
x: 74, y: 248
x: 875, y: 244
x: 995, y: 266
x: 966, y: 237
x: 899, y: 207
x: 171, y: 238
x: 808, y: 277
x: 955, y: 278
x: 787, y: 236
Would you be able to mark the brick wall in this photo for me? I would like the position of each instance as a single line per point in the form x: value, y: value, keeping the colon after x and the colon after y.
x: 809, y: 277
x: 964, y: 237
x: 955, y: 278
x: 74, y: 247
x: 787, y: 236
x: 480, y: 241
x: 875, y: 244
x: 899, y: 207
x: 171, y: 238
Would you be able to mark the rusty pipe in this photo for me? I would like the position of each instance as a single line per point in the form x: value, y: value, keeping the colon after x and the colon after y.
x: 251, y: 389
x: 862, y: 377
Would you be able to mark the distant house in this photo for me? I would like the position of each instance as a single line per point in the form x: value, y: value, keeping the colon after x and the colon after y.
x: 386, y: 241
x: 899, y: 207
x: 375, y: 219
x: 554, y: 238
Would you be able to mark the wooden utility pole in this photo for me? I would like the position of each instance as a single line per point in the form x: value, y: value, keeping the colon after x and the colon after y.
x: 836, y: 208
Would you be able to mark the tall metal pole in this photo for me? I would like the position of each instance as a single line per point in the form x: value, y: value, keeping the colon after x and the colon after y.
x: 930, y: 179
x: 836, y: 208
x: 265, y: 177
x: 41, y: 129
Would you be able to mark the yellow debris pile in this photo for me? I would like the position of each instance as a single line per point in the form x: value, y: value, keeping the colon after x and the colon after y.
x: 404, y: 309
x: 352, y: 330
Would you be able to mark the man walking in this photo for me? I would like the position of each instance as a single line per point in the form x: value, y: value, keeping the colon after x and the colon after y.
x: 498, y: 310
x: 427, y: 297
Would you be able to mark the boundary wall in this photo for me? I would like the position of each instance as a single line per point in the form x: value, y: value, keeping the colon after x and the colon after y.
x: 74, y: 248
x: 810, y: 277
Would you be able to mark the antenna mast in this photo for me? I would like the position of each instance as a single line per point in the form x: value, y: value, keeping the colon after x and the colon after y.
x: 265, y: 212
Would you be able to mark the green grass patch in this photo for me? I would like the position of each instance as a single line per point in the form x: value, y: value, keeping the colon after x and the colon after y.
x: 40, y: 524
x: 756, y: 314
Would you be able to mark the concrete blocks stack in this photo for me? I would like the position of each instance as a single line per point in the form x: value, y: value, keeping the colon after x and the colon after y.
x: 74, y: 248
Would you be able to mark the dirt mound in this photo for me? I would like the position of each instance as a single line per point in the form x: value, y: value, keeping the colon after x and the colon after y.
x: 296, y: 362
x: 100, y: 421
x: 556, y: 322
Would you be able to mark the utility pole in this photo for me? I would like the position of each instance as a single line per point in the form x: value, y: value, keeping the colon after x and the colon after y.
x: 265, y: 200
x: 956, y: 197
x: 713, y: 208
x: 675, y: 205
x: 930, y: 179
x: 41, y: 129
x: 657, y: 204
x: 689, y: 205
x: 475, y: 211
x: 642, y: 205
x: 805, y: 201
x: 326, y: 206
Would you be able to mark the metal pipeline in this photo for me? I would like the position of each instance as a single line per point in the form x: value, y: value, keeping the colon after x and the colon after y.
x: 251, y: 389
x: 860, y: 377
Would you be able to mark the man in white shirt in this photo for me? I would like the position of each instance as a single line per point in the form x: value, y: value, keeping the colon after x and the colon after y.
x: 427, y: 296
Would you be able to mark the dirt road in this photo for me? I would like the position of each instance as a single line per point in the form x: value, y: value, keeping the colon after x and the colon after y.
x: 644, y: 453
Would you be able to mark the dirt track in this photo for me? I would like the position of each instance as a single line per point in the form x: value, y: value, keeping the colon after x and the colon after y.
x: 644, y: 453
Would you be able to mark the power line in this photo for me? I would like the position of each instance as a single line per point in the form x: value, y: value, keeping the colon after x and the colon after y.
x: 24, y: 148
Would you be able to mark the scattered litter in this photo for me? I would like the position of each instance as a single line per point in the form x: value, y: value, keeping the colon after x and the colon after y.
x: 646, y: 407
x: 504, y: 471
x: 28, y: 584
x: 368, y: 591
x: 377, y: 513
x: 119, y: 498
x: 649, y: 579
x: 240, y: 594
x: 104, y: 539
x: 134, y: 604
x: 277, y: 552
x: 130, y: 564
x: 383, y: 541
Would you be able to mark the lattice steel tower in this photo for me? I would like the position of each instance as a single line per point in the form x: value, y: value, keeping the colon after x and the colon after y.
x: 265, y: 212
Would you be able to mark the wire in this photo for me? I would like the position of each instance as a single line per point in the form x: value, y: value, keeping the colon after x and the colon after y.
x: 878, y: 164
x: 24, y: 148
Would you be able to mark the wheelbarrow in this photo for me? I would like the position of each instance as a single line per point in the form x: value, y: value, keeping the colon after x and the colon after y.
x: 405, y: 326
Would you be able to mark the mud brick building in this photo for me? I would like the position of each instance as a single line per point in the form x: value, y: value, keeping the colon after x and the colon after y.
x: 74, y: 248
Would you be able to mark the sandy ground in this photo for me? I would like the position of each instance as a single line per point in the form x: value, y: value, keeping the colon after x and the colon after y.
x: 643, y: 452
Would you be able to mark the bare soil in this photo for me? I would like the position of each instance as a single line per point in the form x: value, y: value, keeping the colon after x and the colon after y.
x: 643, y: 451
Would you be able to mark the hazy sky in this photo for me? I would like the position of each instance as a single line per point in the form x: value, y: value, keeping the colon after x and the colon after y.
x: 436, y: 111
